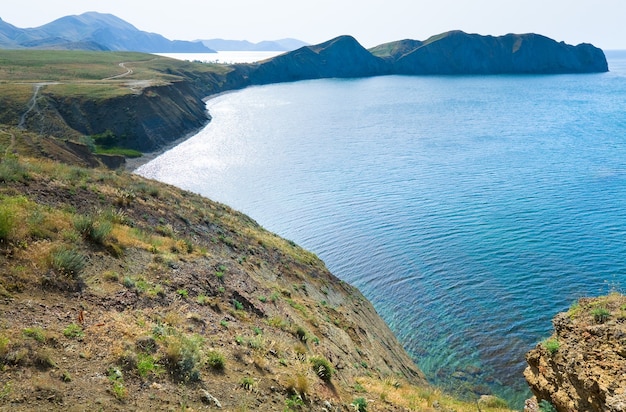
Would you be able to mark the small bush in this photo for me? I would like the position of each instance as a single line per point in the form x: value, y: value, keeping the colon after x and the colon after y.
x: 298, y: 385
x: 247, y: 383
x: 215, y: 360
x: 36, y: 333
x: 360, y: 404
x: 146, y: 365
x: 93, y: 227
x: 117, y: 381
x: 73, y: 331
x: 182, y: 356
x: 322, y: 368
x: 68, y: 261
x: 11, y: 170
x: 295, y: 402
x: 551, y: 345
x: 7, y: 222
x: 300, y: 333
x: 600, y: 315
x: 238, y: 305
x: 546, y: 406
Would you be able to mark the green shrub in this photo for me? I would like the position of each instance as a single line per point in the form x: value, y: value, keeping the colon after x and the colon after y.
x: 215, y: 360
x: 360, y: 404
x: 295, y: 402
x: 551, y: 345
x: 7, y: 221
x: 546, y: 406
x: 301, y: 333
x: 322, y: 368
x: 11, y: 170
x: 117, y: 381
x: 147, y: 364
x: 68, y: 261
x: 94, y: 228
x: 247, y: 383
x: 73, y: 331
x: 36, y: 333
x: 183, y: 356
x: 238, y: 305
x: 600, y: 314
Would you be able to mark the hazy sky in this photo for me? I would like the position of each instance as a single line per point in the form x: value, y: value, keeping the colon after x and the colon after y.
x: 371, y: 22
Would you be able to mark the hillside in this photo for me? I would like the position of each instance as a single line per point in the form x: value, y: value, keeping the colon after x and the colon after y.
x: 120, y: 293
x: 457, y: 52
x: 93, y: 31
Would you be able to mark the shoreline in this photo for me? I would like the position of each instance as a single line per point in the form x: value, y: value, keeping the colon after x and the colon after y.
x: 132, y: 164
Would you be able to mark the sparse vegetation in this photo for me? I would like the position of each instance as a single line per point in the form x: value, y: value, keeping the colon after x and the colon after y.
x: 155, y: 320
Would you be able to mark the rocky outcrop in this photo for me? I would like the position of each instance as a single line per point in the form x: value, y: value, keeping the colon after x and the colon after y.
x: 582, y: 367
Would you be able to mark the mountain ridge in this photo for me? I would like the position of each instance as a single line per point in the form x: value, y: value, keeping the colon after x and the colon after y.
x: 287, y: 44
x: 97, y: 31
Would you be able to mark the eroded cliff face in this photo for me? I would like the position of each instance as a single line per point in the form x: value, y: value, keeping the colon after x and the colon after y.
x: 144, y: 121
x: 582, y: 367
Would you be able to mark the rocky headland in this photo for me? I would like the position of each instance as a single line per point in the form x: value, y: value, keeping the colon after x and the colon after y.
x: 582, y: 366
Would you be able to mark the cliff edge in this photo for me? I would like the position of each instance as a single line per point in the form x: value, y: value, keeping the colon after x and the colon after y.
x: 582, y: 367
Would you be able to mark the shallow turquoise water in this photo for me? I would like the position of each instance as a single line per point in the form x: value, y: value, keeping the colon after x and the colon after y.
x: 469, y: 210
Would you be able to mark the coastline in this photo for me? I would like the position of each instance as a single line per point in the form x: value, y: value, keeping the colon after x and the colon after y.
x: 133, y: 164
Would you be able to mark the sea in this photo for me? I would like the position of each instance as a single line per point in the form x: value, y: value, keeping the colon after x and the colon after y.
x: 468, y: 209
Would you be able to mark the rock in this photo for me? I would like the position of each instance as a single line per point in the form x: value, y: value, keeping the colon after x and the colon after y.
x: 210, y: 399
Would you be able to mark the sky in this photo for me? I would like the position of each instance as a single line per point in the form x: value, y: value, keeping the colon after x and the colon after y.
x: 371, y: 22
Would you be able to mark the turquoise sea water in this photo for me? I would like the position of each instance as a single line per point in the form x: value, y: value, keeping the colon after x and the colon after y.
x: 468, y: 209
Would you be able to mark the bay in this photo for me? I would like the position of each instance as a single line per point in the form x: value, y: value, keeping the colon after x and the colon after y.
x: 468, y: 209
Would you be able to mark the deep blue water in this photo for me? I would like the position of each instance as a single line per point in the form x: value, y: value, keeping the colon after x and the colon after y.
x: 468, y: 209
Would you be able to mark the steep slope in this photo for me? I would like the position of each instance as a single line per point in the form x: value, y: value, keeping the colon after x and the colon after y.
x: 91, y: 28
x: 582, y: 367
x: 107, y: 271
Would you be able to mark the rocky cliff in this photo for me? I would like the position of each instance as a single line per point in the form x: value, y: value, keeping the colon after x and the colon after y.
x: 582, y: 367
x: 144, y: 121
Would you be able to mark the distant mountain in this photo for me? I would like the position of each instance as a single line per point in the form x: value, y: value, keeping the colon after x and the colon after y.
x: 244, y: 45
x: 93, y: 31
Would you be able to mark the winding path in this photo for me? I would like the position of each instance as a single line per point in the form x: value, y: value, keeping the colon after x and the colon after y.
x: 123, y: 66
